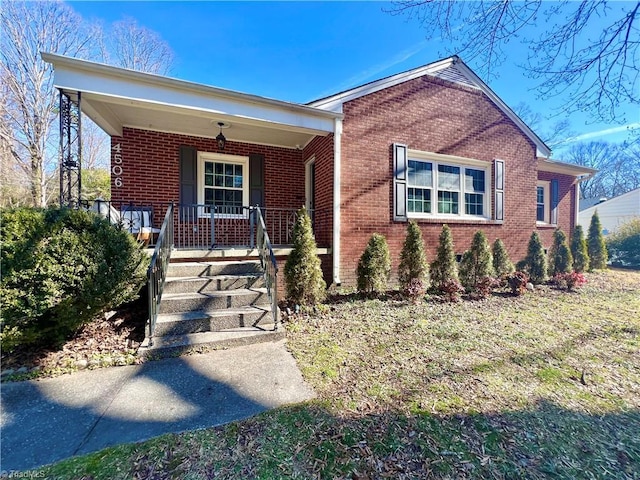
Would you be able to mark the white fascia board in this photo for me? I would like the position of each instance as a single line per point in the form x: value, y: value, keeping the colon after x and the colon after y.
x: 334, y: 103
x: 79, y: 75
x: 554, y: 166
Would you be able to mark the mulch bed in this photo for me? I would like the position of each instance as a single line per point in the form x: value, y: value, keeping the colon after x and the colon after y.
x: 111, y: 339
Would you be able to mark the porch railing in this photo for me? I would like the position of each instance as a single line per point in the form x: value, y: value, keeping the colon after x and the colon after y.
x: 206, y: 226
x: 157, y: 272
x: 269, y: 264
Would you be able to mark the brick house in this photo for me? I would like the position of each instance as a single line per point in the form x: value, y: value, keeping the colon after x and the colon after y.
x: 434, y: 144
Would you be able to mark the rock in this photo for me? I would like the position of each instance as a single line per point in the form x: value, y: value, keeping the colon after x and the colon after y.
x: 22, y: 370
x: 8, y: 371
x: 530, y: 287
x: 82, y: 364
x: 94, y: 363
x: 108, y: 315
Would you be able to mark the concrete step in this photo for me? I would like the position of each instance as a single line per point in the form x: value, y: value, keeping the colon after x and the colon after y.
x: 196, y: 342
x: 210, y: 301
x: 213, y: 283
x: 200, y: 321
x: 208, y: 269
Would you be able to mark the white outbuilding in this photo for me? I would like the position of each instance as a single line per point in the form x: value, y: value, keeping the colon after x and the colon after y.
x: 613, y: 212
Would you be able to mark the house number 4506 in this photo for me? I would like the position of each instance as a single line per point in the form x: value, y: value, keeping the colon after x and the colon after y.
x: 116, y: 169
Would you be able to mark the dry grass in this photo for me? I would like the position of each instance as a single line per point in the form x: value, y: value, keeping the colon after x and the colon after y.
x: 541, y: 386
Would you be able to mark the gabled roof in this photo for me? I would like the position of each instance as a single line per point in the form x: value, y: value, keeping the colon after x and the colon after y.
x: 452, y: 69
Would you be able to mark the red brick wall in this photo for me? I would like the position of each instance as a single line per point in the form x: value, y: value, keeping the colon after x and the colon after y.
x: 566, y: 207
x: 321, y: 149
x: 151, y: 168
x: 436, y: 116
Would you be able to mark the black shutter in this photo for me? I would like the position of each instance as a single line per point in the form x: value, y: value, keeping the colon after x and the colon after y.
x: 256, y: 179
x: 399, y: 182
x: 554, y: 201
x: 188, y: 175
x: 498, y: 212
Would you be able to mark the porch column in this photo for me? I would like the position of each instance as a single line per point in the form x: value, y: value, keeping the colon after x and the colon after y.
x: 337, y: 135
x: 70, y: 151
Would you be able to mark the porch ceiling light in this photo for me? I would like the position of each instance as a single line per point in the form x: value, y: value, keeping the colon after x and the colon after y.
x: 222, y: 141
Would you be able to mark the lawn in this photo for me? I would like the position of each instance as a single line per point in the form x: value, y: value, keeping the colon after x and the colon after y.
x: 541, y: 386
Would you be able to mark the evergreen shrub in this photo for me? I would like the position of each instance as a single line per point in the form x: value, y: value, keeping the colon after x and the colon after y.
x: 374, y: 266
x: 560, y: 258
x: 579, y: 250
x: 302, y: 270
x: 444, y: 267
x: 501, y: 263
x: 60, y: 268
x: 477, y: 263
x: 596, y: 247
x: 535, y: 263
x: 413, y: 259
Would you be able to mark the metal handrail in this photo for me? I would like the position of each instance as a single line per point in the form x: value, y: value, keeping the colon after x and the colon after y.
x: 268, y: 262
x: 157, y: 272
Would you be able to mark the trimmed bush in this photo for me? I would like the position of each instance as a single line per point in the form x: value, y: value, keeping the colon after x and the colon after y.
x: 302, y: 270
x: 477, y: 262
x: 374, y: 266
x: 579, y: 250
x: 413, y: 259
x: 444, y: 267
x: 596, y: 247
x: 535, y: 263
x: 624, y: 244
x: 61, y: 268
x: 560, y: 258
x: 501, y: 263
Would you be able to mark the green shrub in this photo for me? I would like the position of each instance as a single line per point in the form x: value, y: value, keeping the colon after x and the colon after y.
x: 302, y: 270
x: 444, y: 267
x: 535, y: 263
x: 501, y: 263
x: 596, y: 247
x: 65, y: 268
x: 477, y: 262
x: 579, y: 250
x: 560, y: 258
x: 374, y: 266
x: 624, y: 244
x: 413, y: 259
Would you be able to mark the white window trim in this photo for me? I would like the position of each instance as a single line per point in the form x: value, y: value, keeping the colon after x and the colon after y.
x: 308, y: 188
x: 546, y: 185
x: 439, y: 159
x: 226, y: 158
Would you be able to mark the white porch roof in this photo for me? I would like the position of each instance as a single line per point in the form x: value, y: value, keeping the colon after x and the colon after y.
x: 115, y: 98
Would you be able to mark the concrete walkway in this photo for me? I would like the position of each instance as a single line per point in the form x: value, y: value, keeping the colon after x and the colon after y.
x: 47, y: 420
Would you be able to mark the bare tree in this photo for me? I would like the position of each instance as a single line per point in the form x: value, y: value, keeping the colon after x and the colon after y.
x: 28, y: 29
x: 618, y: 168
x: 132, y: 46
x: 553, y: 136
x: 28, y: 142
x: 594, y: 69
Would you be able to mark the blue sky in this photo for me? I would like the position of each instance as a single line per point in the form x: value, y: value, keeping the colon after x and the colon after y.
x: 300, y: 51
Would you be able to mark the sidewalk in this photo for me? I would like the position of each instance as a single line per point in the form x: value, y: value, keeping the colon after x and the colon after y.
x: 47, y: 420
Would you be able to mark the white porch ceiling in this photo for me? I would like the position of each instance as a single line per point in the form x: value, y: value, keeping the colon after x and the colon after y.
x: 115, y: 98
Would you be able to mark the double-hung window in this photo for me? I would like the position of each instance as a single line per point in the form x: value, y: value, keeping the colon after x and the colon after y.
x: 542, y: 202
x: 223, y: 182
x: 438, y: 187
